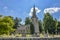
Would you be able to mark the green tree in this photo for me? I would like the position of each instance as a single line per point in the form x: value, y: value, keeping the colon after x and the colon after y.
x: 11, y: 17
x: 17, y: 22
x: 0, y: 15
x: 32, y: 28
x: 6, y: 25
x: 56, y: 25
x: 48, y: 23
x: 40, y: 26
x: 58, y: 28
x: 28, y: 21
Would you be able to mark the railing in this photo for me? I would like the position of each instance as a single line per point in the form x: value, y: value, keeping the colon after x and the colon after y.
x: 29, y: 38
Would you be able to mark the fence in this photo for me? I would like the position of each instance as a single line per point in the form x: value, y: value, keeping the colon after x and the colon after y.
x: 31, y: 38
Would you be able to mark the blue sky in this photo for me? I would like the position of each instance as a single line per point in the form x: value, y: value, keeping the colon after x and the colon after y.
x: 21, y: 8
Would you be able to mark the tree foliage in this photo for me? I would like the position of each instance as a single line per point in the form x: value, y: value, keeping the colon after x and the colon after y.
x: 48, y: 23
x: 17, y: 22
x: 28, y: 21
x: 40, y: 26
x: 58, y: 27
x: 6, y: 24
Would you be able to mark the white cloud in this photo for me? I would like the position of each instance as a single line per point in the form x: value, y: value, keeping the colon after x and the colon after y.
x: 51, y: 10
x: 37, y: 11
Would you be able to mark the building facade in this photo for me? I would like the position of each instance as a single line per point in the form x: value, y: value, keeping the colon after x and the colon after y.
x: 25, y: 29
x: 35, y: 22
